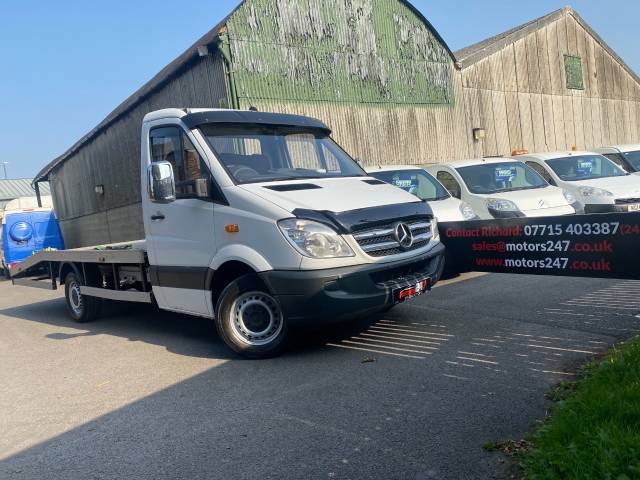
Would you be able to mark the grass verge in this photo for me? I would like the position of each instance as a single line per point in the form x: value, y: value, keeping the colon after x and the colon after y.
x: 594, y: 429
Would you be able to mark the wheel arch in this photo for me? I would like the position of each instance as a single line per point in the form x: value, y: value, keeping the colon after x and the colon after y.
x: 65, y: 269
x: 228, y: 272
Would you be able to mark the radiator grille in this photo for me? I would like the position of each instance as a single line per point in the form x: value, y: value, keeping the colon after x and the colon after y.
x: 382, y: 241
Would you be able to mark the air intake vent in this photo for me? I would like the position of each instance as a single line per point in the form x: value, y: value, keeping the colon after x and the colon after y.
x: 374, y: 182
x: 293, y: 187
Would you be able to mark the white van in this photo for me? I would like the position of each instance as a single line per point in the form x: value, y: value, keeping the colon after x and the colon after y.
x: 601, y: 185
x: 423, y: 185
x: 625, y: 156
x: 504, y: 188
x: 257, y: 221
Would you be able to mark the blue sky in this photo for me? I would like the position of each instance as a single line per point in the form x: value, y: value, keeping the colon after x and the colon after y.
x: 66, y: 64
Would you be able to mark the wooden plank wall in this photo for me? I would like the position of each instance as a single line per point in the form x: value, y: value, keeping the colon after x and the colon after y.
x: 389, y: 134
x: 531, y: 107
x: 112, y: 159
x: 518, y: 95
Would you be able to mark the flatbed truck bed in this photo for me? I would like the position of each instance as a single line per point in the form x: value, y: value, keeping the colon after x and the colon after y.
x: 116, y: 261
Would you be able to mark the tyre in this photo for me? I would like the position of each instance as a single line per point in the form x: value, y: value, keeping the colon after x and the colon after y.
x: 82, y: 309
x: 249, y: 320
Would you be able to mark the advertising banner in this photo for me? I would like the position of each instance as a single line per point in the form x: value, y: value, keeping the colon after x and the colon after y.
x: 599, y: 245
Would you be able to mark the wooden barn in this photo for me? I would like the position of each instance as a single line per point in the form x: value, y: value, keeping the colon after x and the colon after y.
x: 380, y: 75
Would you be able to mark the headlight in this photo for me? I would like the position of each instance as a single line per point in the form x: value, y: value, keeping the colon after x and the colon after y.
x: 315, y: 240
x: 435, y: 233
x: 594, y: 192
x: 501, y: 205
x: 468, y: 213
x: 569, y: 197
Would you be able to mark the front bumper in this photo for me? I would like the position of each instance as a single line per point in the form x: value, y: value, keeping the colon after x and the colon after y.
x: 606, y: 208
x: 349, y: 292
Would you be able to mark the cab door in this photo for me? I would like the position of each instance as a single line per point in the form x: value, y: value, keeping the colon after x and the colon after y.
x: 180, y: 235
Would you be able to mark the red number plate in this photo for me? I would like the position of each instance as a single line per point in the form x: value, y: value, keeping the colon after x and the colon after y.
x: 419, y: 288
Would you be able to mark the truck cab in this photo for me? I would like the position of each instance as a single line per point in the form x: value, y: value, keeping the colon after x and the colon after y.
x: 261, y: 220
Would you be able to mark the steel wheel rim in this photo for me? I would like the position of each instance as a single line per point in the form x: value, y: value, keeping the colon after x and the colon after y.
x: 75, y: 298
x: 256, y: 319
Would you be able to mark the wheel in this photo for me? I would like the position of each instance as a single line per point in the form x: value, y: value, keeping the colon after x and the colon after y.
x: 249, y: 320
x: 82, y: 309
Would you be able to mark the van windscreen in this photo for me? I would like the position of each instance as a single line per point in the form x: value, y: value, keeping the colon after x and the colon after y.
x: 256, y: 154
x: 585, y: 167
x: 489, y: 178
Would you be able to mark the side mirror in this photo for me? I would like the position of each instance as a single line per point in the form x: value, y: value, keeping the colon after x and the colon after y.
x: 161, y: 183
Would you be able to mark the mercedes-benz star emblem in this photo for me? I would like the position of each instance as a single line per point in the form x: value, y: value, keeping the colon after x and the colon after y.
x: 404, y: 236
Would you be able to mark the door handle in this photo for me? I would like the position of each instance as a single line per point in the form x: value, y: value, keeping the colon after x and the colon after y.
x: 157, y: 217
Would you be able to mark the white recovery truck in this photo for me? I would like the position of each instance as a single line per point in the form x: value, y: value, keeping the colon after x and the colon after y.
x: 259, y: 221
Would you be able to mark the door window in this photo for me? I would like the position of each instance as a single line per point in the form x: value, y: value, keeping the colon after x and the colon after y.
x: 172, y: 145
x: 617, y: 159
x: 542, y: 171
x: 450, y: 183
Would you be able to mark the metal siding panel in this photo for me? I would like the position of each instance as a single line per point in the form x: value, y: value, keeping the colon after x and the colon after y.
x: 596, y: 122
x: 601, y: 71
x: 509, y: 69
x: 558, y: 121
x: 543, y: 61
x: 473, y: 118
x: 84, y: 231
x: 501, y: 123
x: 533, y: 64
x: 461, y: 145
x: 126, y: 223
x: 487, y: 119
x: 537, y: 116
x: 578, y: 122
x: 513, y: 117
x: 522, y: 68
x: 572, y: 39
x: 549, y: 122
x: 587, y: 122
x: 497, y: 75
x: 526, y: 122
x: 613, y: 120
x: 483, y: 73
x: 556, y: 68
x: 626, y: 122
x: 569, y: 123
x: 583, y: 53
x: 563, y: 49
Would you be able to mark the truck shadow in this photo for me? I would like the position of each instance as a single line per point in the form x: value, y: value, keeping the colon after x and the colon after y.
x: 180, y: 334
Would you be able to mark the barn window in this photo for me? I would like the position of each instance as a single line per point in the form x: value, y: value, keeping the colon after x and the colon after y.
x: 573, y: 68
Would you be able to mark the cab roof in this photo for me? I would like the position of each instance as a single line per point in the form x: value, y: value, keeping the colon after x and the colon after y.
x: 631, y: 147
x: 391, y: 168
x: 473, y: 162
x: 194, y: 117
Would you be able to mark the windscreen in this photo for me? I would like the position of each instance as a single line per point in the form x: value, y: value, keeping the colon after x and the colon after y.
x: 417, y: 182
x: 585, y: 167
x: 633, y: 159
x: 267, y: 154
x: 489, y: 178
